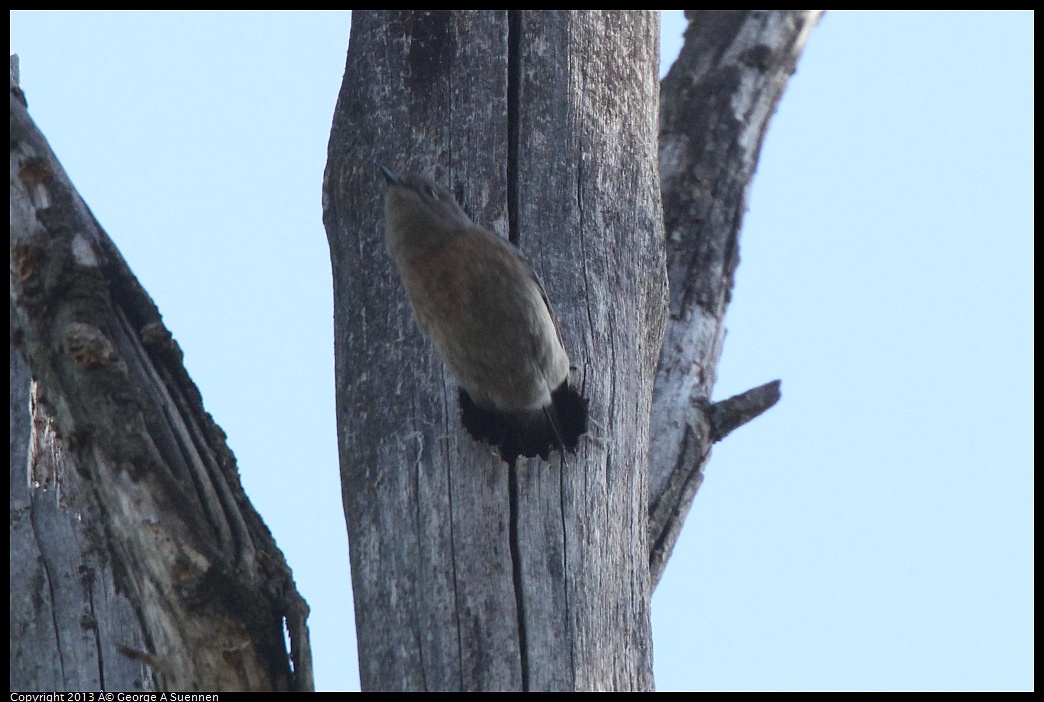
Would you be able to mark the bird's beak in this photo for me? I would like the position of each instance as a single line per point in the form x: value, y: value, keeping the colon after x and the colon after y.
x: 389, y: 175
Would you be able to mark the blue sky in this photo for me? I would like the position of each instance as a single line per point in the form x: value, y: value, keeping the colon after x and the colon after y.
x: 872, y: 531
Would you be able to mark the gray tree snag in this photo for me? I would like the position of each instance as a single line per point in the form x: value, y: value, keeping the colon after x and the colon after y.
x: 137, y: 561
x: 469, y: 574
x: 715, y: 106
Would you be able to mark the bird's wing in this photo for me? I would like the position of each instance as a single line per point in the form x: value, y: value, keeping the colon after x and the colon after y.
x: 547, y: 303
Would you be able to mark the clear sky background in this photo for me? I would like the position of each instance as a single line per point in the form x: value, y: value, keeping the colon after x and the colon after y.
x: 872, y: 531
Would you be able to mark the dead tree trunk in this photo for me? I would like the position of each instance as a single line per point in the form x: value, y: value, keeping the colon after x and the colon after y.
x: 137, y: 561
x: 469, y: 574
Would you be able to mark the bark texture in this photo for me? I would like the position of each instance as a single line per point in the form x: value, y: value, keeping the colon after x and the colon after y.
x: 125, y: 498
x: 469, y: 574
x: 69, y: 619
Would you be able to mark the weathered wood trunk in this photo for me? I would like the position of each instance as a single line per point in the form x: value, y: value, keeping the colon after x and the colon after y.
x: 469, y: 574
x: 126, y: 503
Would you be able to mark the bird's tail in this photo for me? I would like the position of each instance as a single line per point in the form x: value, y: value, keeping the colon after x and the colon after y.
x: 531, y: 433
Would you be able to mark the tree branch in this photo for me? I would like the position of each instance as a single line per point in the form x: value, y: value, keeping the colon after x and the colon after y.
x: 715, y: 106
x: 731, y: 414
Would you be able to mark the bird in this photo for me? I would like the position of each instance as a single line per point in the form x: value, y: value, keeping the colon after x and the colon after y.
x: 488, y: 316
